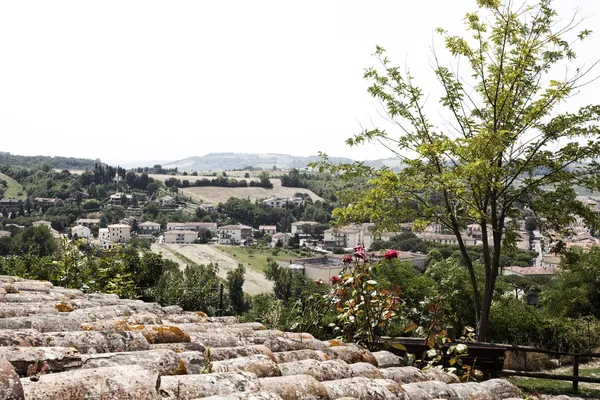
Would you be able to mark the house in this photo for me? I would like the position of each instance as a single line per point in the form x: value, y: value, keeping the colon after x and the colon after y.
x: 82, y: 232
x: 234, y: 234
x: 38, y: 223
x: 148, y: 228
x: 11, y: 205
x: 530, y: 272
x: 268, y: 229
x: 300, y: 227
x: 349, y: 235
x: 180, y: 236
x: 119, y: 233
x: 166, y: 201
x: 283, y: 202
x: 117, y: 198
x: 5, y: 234
x: 211, y: 227
x: 207, y: 207
x: 447, y: 239
x: 44, y: 202
x: 551, y: 261
x: 103, y: 234
x: 175, y: 225
x: 89, y: 222
x: 283, y: 238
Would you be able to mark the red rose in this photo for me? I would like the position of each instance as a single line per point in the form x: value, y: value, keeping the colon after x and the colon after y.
x: 347, y: 259
x: 335, y: 280
x: 390, y: 254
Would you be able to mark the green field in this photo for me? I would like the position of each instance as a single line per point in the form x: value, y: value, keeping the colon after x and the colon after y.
x: 14, y: 188
x: 258, y: 260
x: 536, y: 386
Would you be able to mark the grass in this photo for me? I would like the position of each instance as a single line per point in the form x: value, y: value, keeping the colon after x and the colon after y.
x: 14, y: 188
x: 536, y: 386
x: 258, y: 260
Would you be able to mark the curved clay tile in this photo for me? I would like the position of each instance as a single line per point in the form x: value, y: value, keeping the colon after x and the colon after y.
x: 97, y: 342
x: 98, y: 383
x: 429, y: 390
x: 204, y: 385
x: 297, y: 387
x: 54, y: 359
x: 225, y: 353
x: 296, y: 355
x: 165, y: 362
x: 366, y: 370
x: 10, y: 384
x: 260, y: 365
x: 385, y: 359
x: 320, y: 370
x: 404, y: 374
x: 363, y: 388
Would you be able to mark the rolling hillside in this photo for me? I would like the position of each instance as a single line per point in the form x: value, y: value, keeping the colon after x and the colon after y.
x: 15, y: 190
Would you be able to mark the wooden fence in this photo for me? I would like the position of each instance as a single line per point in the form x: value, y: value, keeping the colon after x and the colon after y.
x: 490, y: 358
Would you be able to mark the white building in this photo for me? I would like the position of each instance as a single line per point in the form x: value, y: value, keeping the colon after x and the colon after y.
x: 300, y: 226
x: 148, y: 228
x: 117, y: 198
x: 180, y: 236
x: 350, y: 235
x: 89, y: 222
x: 38, y: 223
x: 202, y: 226
x: 82, y: 232
x: 234, y: 234
x: 207, y: 207
x: 119, y: 233
x: 282, y: 202
x: 447, y: 239
x: 270, y: 229
x: 283, y: 238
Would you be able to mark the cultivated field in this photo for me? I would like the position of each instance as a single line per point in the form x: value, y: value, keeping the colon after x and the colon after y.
x: 14, y: 188
x: 255, y: 282
x: 215, y: 195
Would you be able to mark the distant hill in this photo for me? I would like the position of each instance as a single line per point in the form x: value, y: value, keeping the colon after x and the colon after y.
x: 53, y: 162
x: 230, y: 161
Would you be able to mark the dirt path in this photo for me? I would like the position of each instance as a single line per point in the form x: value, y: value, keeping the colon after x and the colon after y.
x: 255, y: 282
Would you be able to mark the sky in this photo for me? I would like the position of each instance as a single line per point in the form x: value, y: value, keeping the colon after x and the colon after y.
x: 130, y: 80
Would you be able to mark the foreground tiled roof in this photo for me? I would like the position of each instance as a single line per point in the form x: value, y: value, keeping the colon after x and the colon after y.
x: 58, y: 343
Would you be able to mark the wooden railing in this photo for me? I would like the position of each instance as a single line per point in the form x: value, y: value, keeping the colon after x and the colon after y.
x: 490, y: 358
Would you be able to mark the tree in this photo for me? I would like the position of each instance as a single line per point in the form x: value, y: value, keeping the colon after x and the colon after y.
x: 235, y: 281
x: 530, y: 224
x: 505, y: 142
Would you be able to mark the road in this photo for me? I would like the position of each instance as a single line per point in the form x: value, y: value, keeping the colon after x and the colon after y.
x: 254, y: 282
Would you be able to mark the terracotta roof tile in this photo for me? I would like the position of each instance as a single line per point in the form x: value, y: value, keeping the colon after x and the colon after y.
x: 100, y: 346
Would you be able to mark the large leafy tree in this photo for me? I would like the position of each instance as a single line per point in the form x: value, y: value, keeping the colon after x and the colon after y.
x: 504, y: 143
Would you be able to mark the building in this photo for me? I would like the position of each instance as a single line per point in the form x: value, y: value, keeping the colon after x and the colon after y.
x: 283, y: 238
x: 211, y: 227
x: 89, y: 222
x: 44, y: 202
x: 268, y: 229
x: 447, y: 239
x: 175, y: 225
x: 550, y: 261
x: 117, y: 198
x: 180, y: 236
x: 234, y: 234
x: 207, y: 207
x: 38, y: 223
x: 11, y: 205
x: 349, y: 236
x: 5, y: 234
x: 166, y: 201
x: 283, y: 202
x: 82, y: 232
x: 530, y: 272
x: 119, y: 233
x: 299, y: 227
x: 148, y: 228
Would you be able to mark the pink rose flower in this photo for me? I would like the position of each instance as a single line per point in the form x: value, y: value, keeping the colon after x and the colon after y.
x: 335, y: 280
x: 359, y: 252
x: 347, y: 259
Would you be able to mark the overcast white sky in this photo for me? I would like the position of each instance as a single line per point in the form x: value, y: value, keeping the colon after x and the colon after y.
x: 164, y: 80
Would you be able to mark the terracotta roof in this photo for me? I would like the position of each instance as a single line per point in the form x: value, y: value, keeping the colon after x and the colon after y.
x: 532, y: 271
x: 58, y: 343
